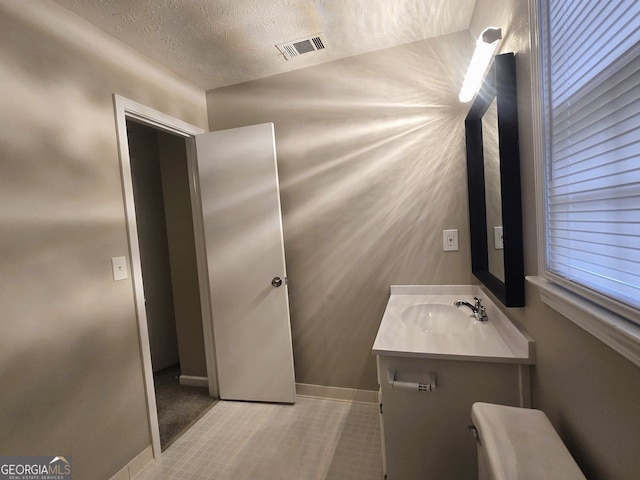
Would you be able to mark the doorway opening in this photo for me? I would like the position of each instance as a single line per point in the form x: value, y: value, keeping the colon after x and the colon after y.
x: 170, y: 277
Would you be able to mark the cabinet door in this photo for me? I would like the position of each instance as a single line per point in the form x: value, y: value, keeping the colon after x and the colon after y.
x: 425, y: 433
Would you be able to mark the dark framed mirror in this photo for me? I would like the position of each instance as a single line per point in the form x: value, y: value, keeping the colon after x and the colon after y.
x: 493, y: 174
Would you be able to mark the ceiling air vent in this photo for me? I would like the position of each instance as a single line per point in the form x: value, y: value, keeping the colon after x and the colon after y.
x: 302, y: 45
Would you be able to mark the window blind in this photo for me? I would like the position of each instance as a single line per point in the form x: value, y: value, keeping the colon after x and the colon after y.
x: 591, y: 101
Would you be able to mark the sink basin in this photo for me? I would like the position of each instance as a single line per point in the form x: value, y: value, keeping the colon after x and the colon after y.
x: 437, y: 318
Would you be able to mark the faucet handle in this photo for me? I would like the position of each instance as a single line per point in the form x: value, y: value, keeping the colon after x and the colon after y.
x: 478, y: 302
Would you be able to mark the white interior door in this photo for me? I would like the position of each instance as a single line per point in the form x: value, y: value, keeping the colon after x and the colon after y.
x: 242, y: 219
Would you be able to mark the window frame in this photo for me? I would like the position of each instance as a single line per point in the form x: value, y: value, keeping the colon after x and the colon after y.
x: 605, y: 318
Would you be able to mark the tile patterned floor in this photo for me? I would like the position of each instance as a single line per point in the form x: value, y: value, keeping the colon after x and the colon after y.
x: 315, y: 439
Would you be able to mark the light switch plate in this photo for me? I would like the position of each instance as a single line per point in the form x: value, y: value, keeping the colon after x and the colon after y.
x: 450, y: 240
x: 119, y: 265
x: 498, y: 239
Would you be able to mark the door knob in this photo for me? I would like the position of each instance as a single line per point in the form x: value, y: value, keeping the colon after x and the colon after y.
x: 276, y: 282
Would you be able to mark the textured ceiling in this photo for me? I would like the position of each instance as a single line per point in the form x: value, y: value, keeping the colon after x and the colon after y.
x: 214, y: 43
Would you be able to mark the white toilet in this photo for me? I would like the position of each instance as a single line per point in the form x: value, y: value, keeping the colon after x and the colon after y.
x: 520, y: 444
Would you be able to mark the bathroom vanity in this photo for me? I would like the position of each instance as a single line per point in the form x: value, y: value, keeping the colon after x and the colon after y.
x: 434, y: 361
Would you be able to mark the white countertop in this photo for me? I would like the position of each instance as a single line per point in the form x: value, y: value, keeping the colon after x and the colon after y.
x: 496, y: 340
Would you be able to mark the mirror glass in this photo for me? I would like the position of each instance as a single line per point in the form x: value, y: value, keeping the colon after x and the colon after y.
x: 493, y: 192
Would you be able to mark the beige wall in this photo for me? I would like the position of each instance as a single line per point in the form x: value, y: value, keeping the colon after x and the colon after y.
x: 590, y: 393
x: 182, y: 255
x: 70, y: 365
x: 372, y: 169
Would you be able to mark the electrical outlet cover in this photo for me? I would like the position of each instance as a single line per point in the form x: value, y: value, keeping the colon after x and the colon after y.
x: 450, y: 240
x: 119, y: 266
x: 498, y: 240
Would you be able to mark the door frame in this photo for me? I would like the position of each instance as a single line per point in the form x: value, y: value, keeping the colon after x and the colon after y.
x: 126, y: 109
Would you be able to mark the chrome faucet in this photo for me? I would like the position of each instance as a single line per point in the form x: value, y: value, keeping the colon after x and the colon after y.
x: 479, y: 310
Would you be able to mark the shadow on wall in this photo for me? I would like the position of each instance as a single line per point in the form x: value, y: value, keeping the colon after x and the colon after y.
x: 372, y: 169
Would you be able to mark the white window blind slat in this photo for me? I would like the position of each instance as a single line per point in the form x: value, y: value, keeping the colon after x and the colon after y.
x: 622, y: 216
x: 599, y: 192
x: 609, y: 150
x: 577, y: 23
x: 591, y: 167
x: 609, y: 46
x: 594, y: 273
x: 581, y: 53
x: 626, y: 254
x: 605, y: 125
x: 599, y: 89
x: 584, y: 254
x: 610, y: 176
x: 595, y: 205
x: 609, y: 286
x: 618, y: 146
x: 611, y: 182
x: 586, y: 120
x: 611, y: 228
x: 596, y: 238
x: 570, y: 13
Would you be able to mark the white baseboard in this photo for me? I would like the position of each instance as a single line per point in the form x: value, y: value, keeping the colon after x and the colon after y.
x: 337, y: 393
x: 194, y: 381
x: 135, y: 466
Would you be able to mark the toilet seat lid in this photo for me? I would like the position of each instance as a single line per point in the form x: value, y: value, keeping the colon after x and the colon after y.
x: 521, y: 443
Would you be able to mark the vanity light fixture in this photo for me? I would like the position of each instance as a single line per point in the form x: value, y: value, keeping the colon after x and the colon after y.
x: 485, y: 48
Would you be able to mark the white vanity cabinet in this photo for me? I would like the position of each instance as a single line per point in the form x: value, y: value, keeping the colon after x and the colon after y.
x: 429, y: 378
x: 425, y: 433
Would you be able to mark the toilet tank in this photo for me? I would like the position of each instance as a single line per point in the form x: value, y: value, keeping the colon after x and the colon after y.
x: 520, y: 444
